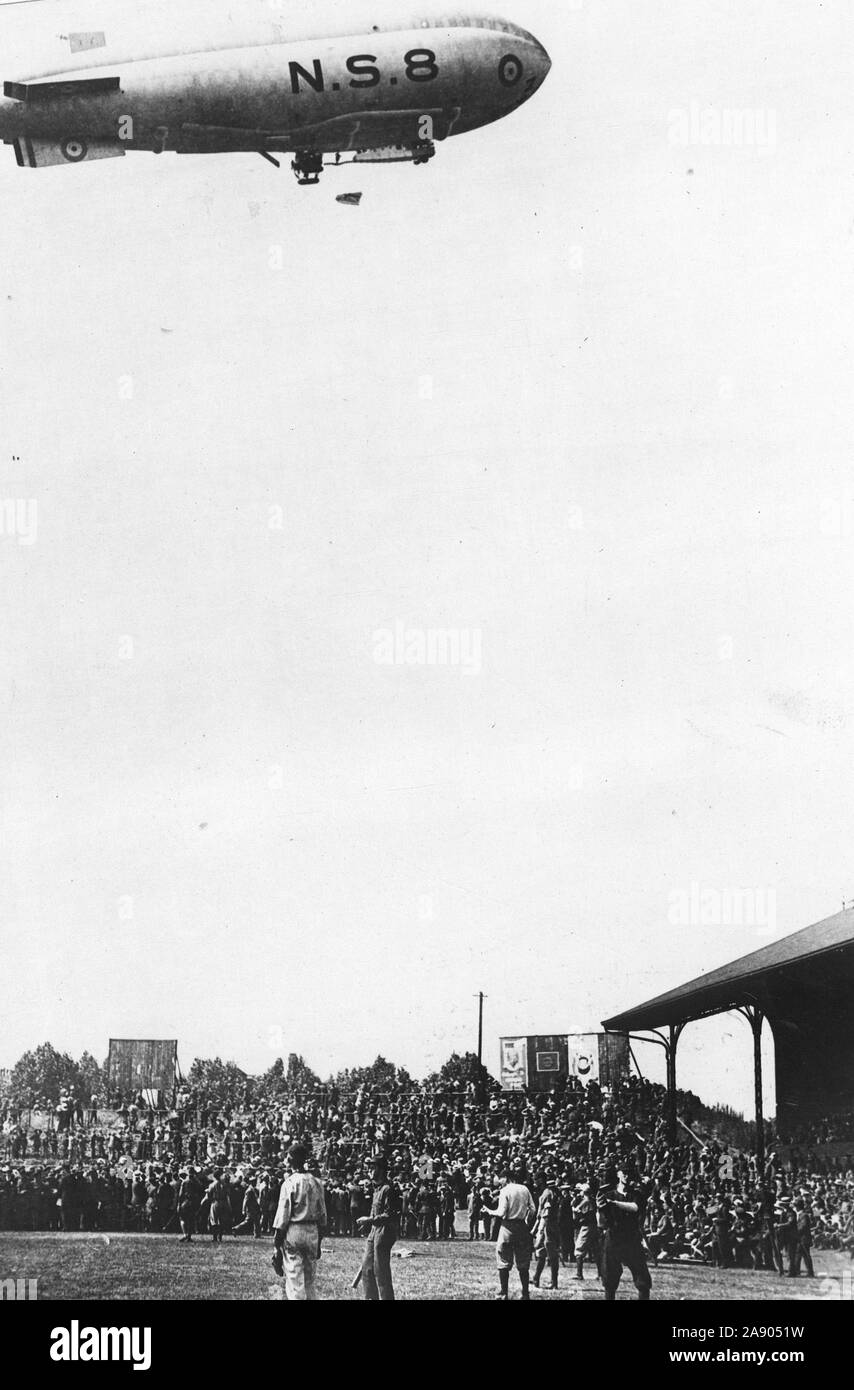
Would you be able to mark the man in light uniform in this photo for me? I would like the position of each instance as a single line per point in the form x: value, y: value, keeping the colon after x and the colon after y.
x: 516, y: 1211
x: 299, y: 1224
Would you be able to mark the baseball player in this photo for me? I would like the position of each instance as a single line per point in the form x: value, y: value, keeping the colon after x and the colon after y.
x: 619, y: 1211
x: 299, y: 1223
x: 515, y: 1213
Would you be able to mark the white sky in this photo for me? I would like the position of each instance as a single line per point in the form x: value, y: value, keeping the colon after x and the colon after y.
x: 628, y: 480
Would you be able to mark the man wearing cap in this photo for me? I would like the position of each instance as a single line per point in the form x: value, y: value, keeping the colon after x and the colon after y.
x: 786, y: 1231
x: 566, y: 1222
x: 804, y: 1239
x: 382, y: 1228
x: 188, y: 1203
x: 547, y: 1233
x: 586, y: 1231
x: 299, y: 1223
x: 426, y: 1213
x: 515, y: 1212
x: 251, y: 1212
x: 447, y: 1212
x: 216, y: 1198
x: 771, y: 1256
x: 474, y: 1204
x: 620, y: 1213
x: 723, y: 1222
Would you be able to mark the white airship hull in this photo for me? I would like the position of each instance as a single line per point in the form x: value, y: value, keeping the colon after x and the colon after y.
x: 86, y: 81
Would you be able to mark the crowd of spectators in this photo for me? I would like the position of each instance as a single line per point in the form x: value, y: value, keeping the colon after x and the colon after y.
x: 823, y: 1129
x: 128, y: 1166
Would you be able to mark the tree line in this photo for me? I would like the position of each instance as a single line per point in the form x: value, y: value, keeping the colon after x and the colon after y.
x: 44, y: 1074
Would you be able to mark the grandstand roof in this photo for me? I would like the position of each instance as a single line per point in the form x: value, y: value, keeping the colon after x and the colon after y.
x: 814, y: 956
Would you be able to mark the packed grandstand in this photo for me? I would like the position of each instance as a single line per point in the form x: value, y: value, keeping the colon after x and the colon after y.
x: 120, y: 1162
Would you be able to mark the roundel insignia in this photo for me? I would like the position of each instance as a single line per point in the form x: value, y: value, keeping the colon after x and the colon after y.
x: 584, y: 1065
x: 73, y: 151
x: 509, y: 70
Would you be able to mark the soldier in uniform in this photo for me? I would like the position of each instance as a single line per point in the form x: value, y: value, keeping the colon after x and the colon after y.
x: 216, y: 1198
x: 566, y: 1222
x: 269, y: 1200
x: 547, y: 1233
x: 426, y: 1214
x: 804, y: 1239
x: 473, y: 1205
x: 188, y: 1202
x: 586, y: 1230
x: 447, y: 1212
x: 382, y: 1228
x: 771, y: 1256
x: 786, y: 1232
x: 251, y: 1212
x: 356, y: 1199
x: 723, y: 1221
x: 488, y: 1194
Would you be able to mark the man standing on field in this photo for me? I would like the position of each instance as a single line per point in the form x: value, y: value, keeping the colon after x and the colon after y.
x: 299, y: 1223
x: 547, y: 1233
x: 620, y: 1210
x: 382, y: 1228
x: 515, y: 1211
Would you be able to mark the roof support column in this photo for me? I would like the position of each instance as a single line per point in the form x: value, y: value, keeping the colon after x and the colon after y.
x: 669, y: 1044
x: 675, y: 1030
x: 756, y: 1018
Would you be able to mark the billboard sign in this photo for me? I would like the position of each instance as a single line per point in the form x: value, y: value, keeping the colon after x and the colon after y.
x: 540, y: 1061
x: 142, y: 1064
x: 514, y: 1064
x: 583, y: 1056
x: 548, y: 1061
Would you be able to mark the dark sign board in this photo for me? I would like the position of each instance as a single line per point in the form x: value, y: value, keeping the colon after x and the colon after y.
x: 142, y: 1064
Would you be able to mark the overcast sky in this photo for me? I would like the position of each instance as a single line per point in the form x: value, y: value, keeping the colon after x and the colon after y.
x: 578, y: 390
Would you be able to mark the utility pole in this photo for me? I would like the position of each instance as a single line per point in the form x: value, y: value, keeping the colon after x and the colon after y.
x: 480, y: 996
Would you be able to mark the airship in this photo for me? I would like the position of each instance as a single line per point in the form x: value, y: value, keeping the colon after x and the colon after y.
x: 326, y: 83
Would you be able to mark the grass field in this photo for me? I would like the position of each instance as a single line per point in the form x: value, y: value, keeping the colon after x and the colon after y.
x: 93, y: 1266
